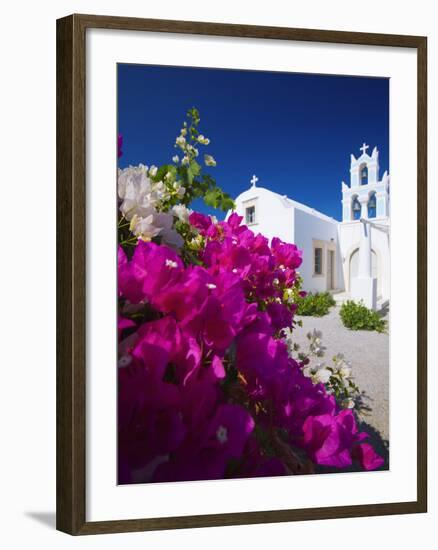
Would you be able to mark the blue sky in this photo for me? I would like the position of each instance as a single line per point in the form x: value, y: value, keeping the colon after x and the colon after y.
x: 294, y: 131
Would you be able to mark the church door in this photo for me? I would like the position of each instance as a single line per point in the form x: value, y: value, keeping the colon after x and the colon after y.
x: 330, y: 269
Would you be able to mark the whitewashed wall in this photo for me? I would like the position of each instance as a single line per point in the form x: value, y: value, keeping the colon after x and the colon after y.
x: 273, y: 217
x: 307, y: 228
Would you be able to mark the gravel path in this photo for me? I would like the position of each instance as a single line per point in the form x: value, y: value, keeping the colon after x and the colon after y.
x: 368, y: 352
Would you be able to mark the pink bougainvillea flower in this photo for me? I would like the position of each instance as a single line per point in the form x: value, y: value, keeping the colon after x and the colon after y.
x: 119, y: 145
x: 260, y: 355
x: 183, y: 352
x: 227, y: 256
x: 123, y: 324
x: 234, y: 222
x: 286, y: 254
x: 329, y: 438
x: 129, y: 285
x: 256, y: 464
x: 200, y: 221
x: 185, y: 295
x: 280, y: 315
x: 223, y: 439
x: 125, y: 283
x: 367, y: 456
x: 217, y: 316
x: 152, y: 269
x: 158, y: 267
x: 204, y: 362
x: 149, y: 418
x: 228, y: 431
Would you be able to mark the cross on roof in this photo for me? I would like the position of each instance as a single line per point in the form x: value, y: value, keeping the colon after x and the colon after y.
x: 254, y: 180
x: 364, y: 148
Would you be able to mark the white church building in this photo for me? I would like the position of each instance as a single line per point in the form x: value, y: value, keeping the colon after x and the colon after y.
x: 349, y: 258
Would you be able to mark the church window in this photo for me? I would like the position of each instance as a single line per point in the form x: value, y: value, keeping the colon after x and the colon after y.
x: 356, y: 209
x: 250, y: 214
x: 372, y: 206
x: 318, y: 261
x: 363, y: 174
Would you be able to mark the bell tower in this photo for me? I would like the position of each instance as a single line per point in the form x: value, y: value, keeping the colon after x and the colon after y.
x: 367, y: 196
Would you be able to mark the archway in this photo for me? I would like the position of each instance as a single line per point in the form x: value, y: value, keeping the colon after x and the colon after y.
x: 355, y: 208
x: 375, y: 271
x: 372, y: 205
x: 363, y: 174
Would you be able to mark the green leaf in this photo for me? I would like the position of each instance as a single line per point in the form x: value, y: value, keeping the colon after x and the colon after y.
x: 208, y: 180
x: 195, y: 168
x: 211, y: 197
x: 227, y: 203
x: 172, y: 169
x: 162, y: 171
x: 190, y: 176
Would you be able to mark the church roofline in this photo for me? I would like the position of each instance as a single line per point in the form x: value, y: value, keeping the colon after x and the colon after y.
x: 288, y: 202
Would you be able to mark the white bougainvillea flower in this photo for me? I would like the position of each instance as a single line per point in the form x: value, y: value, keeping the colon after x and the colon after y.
x: 209, y: 160
x: 342, y: 366
x: 160, y: 191
x: 308, y: 371
x: 137, y: 192
x: 169, y: 236
x: 156, y: 224
x: 181, y: 212
x: 180, y: 192
x: 315, y: 343
x: 202, y: 139
x: 180, y: 140
x: 132, y: 178
x: 345, y: 371
x: 192, y: 150
x: 175, y: 158
x: 322, y: 375
x: 144, y: 228
x: 172, y: 238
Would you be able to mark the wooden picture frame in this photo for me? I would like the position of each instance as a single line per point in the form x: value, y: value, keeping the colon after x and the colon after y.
x: 71, y: 273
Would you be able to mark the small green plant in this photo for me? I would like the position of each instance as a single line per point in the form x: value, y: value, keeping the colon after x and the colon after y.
x: 356, y: 316
x: 316, y: 305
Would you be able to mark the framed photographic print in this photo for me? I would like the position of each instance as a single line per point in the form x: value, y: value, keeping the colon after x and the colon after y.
x: 241, y: 288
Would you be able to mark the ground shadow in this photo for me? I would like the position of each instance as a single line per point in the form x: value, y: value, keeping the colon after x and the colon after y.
x: 45, y: 518
x: 381, y: 445
x: 382, y: 313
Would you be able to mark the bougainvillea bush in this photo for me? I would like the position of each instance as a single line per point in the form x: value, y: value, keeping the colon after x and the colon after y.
x: 208, y: 385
